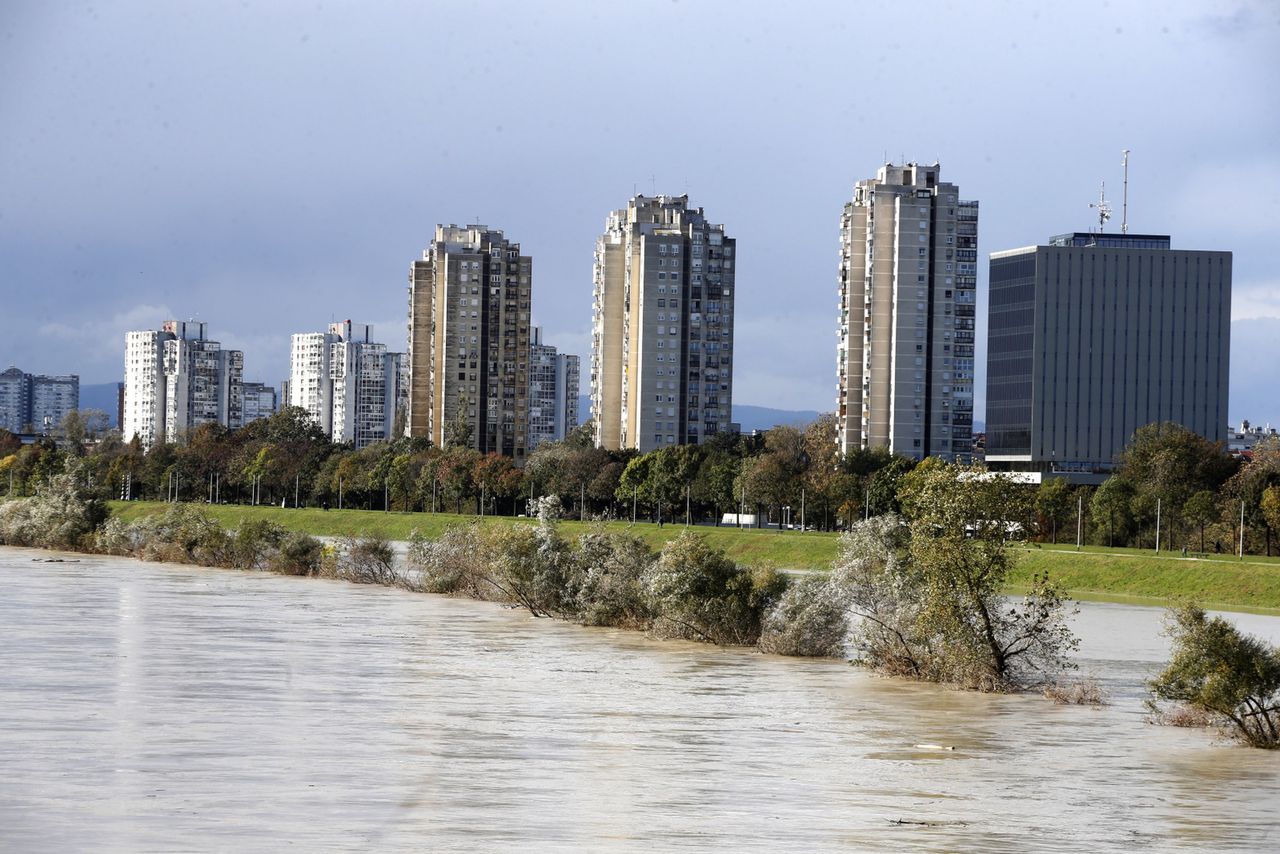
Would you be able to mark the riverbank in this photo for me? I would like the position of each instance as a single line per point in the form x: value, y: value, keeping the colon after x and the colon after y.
x: 1216, y: 581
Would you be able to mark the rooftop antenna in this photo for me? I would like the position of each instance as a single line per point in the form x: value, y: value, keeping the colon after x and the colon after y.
x: 1103, y: 207
x: 1124, y: 204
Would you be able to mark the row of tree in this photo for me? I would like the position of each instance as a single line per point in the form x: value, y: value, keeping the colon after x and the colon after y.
x: 1169, y: 483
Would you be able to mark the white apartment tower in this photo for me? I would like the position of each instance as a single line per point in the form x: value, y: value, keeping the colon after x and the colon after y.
x: 351, y: 385
x: 908, y: 287
x: 469, y: 306
x: 662, y: 337
x: 553, y: 392
x: 177, y: 379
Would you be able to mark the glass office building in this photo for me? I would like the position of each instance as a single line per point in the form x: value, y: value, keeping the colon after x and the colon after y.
x: 1095, y: 335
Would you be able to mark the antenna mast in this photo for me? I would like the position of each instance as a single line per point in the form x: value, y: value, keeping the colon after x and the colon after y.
x: 1124, y: 205
x: 1103, y: 207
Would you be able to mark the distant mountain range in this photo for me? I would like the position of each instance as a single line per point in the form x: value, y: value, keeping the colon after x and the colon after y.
x: 748, y: 416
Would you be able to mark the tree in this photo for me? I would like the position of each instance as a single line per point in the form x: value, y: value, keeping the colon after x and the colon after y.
x: 1200, y: 510
x: 1232, y: 676
x: 1053, y: 500
x: 1271, y: 507
x: 963, y: 521
x: 1251, y: 482
x: 1112, y: 501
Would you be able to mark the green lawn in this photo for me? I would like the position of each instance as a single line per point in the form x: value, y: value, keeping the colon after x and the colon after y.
x: 1216, y: 580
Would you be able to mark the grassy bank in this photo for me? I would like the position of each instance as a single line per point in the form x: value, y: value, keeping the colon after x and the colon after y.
x: 1216, y: 580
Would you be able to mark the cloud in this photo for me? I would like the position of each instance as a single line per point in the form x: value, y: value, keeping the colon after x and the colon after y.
x: 100, y: 341
x: 1255, y: 300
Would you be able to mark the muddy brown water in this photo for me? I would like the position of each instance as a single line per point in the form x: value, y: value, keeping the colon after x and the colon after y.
x: 152, y: 707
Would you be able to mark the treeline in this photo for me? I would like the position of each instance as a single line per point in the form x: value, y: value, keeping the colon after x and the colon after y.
x: 785, y: 474
x: 1172, y: 483
x: 1169, y: 481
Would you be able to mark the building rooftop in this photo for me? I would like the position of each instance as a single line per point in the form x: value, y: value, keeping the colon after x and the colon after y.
x: 1111, y: 241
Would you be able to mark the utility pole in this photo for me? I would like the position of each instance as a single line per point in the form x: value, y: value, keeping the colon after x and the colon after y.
x: 742, y: 508
x: 210, y: 487
x: 386, y: 494
x: 582, y: 502
x: 635, y: 495
x: 339, y: 492
x: 867, y: 506
x: 1241, y: 530
x: 686, y: 505
x: 802, y: 508
x: 1079, y: 520
x: 297, y: 480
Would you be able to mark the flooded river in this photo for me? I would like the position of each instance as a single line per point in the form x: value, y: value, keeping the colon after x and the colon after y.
x: 151, y: 707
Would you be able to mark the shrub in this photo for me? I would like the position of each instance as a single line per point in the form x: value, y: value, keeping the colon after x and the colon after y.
x: 697, y: 592
x: 453, y: 564
x: 255, y: 541
x: 366, y: 560
x: 810, y: 619
x: 1083, y: 693
x: 1230, y: 676
x: 611, y: 572
x: 61, y: 515
x: 298, y: 554
x: 185, y: 534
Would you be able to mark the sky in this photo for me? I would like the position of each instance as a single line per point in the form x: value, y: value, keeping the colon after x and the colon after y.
x: 271, y: 167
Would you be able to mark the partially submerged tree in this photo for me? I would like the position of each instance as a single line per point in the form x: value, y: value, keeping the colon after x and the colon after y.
x: 930, y: 595
x: 1216, y: 669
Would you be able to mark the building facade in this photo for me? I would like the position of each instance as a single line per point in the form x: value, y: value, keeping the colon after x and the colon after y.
x: 468, y: 355
x: 662, y: 336
x: 1095, y: 335
x: 259, y: 402
x: 553, y: 392
x: 177, y: 379
x: 350, y: 385
x: 908, y: 299
x: 36, y: 402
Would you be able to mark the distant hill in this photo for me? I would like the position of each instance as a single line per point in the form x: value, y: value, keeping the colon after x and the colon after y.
x: 101, y: 396
x: 750, y: 417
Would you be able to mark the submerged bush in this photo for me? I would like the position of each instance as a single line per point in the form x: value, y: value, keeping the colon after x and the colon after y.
x: 183, y: 533
x: 63, y: 514
x: 611, y: 570
x: 810, y: 619
x: 255, y: 541
x: 297, y: 554
x: 1233, y: 678
x: 697, y: 592
x: 364, y: 560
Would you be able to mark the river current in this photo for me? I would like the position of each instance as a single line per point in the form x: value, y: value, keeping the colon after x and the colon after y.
x: 154, y: 707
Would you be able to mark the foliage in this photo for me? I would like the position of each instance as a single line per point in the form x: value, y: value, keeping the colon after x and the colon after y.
x: 63, y: 514
x: 963, y: 521
x: 297, y: 554
x: 1218, y: 670
x: 254, y: 542
x: 696, y: 592
x: 364, y: 560
x: 611, y: 572
x: 811, y: 618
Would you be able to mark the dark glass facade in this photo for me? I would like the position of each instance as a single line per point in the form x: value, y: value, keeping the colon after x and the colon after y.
x: 1010, y: 349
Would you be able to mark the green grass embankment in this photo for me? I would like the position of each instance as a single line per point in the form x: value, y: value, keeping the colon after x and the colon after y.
x: 1093, y: 572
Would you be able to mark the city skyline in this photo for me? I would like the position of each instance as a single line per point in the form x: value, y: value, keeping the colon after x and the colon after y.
x: 230, y: 201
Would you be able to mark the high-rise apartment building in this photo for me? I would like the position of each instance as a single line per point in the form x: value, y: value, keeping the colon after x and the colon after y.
x: 350, y: 384
x: 259, y: 402
x: 469, y: 306
x: 908, y: 287
x: 553, y: 392
x: 662, y: 338
x: 1095, y: 335
x: 36, y: 402
x: 177, y: 379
